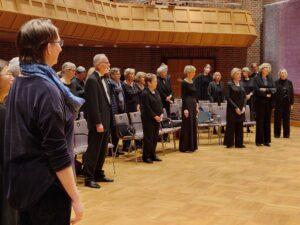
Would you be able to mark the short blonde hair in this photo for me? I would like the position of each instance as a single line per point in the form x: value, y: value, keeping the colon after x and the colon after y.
x: 139, y: 75
x: 234, y: 71
x: 265, y: 65
x: 246, y: 69
x: 283, y: 70
x: 128, y: 71
x: 189, y: 69
x: 215, y: 74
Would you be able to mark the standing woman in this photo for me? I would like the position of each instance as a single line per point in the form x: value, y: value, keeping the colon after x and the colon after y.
x: 235, y: 114
x: 151, y: 113
x: 264, y: 89
x: 248, y: 86
x: 216, y: 89
x: 284, y: 101
x: 201, y: 83
x: 131, y: 91
x: 8, y: 216
x: 38, y: 153
x: 188, y: 133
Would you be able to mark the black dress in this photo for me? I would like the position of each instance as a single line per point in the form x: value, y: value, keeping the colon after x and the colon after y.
x: 216, y: 92
x: 188, y: 134
x: 284, y: 98
x: 151, y: 106
x: 201, y: 85
x: 263, y: 101
x: 236, y: 98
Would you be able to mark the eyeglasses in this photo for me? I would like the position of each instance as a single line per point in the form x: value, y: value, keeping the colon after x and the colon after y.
x: 60, y: 42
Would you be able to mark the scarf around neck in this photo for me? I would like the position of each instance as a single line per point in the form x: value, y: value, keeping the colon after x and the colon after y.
x: 47, y: 73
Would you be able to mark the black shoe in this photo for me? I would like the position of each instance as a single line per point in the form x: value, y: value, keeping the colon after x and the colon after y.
x: 229, y: 146
x: 242, y: 146
x: 157, y: 159
x: 267, y: 144
x: 91, y: 184
x: 287, y: 136
x: 259, y: 144
x: 148, y: 160
x: 120, y: 153
x: 276, y: 136
x: 104, y: 179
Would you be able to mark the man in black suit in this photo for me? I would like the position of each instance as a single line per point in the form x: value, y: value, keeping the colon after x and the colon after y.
x: 98, y: 116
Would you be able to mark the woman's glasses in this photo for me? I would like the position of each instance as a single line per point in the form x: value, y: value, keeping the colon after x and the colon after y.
x: 60, y: 42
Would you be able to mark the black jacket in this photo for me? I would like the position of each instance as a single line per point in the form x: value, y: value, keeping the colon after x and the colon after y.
x: 201, y: 83
x: 97, y: 105
x: 132, y: 97
x: 236, y: 98
x: 165, y: 89
x: 260, y: 97
x: 285, y: 91
x: 2, y: 125
x: 216, y: 92
x: 151, y: 105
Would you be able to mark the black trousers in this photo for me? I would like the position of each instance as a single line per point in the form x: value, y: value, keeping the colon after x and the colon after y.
x: 94, y: 157
x: 54, y: 208
x: 234, y: 134
x: 282, y: 116
x: 263, y: 123
x: 8, y: 216
x: 151, y: 131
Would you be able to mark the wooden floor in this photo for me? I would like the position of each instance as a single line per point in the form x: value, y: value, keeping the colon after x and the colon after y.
x: 213, y: 186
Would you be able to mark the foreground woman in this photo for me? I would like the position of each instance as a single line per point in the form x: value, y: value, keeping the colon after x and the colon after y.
x: 39, y: 132
x: 235, y: 114
x: 188, y: 134
x: 151, y: 112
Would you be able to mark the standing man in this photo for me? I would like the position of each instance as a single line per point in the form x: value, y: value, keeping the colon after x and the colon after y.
x: 98, y: 116
x: 79, y: 80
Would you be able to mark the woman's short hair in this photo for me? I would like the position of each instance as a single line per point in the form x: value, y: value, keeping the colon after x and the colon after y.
x: 234, y: 71
x: 139, y: 75
x: 150, y: 77
x: 128, y: 71
x: 189, y: 69
x: 246, y: 69
x: 216, y: 74
x: 114, y: 70
x: 33, y: 38
x: 283, y: 70
x: 161, y: 68
x: 264, y: 65
x: 68, y: 66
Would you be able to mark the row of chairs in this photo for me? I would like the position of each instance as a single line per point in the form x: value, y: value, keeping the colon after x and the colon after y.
x: 136, y: 122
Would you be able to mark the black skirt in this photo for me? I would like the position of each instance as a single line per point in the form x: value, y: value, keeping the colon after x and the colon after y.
x: 188, y: 134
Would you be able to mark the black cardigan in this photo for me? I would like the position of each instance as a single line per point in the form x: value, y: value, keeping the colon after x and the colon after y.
x: 151, y: 105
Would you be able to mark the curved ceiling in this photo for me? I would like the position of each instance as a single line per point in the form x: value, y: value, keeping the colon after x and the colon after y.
x: 102, y: 22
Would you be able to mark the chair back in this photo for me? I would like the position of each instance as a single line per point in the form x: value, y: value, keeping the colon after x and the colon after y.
x: 80, y: 136
x: 121, y: 119
x: 136, y: 121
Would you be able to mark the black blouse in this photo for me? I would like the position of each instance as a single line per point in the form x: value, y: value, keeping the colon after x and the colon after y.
x: 201, y: 84
x: 261, y: 96
x: 151, y: 105
x: 285, y: 91
x: 132, y: 98
x: 188, y: 92
x: 216, y: 92
x: 38, y: 139
x: 164, y: 88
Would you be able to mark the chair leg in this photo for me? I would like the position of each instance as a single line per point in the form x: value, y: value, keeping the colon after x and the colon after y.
x: 162, y: 144
x: 174, y: 141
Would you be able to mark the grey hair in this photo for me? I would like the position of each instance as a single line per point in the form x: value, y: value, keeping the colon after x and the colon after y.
x: 281, y: 71
x: 68, y: 65
x: 97, y: 58
x: 189, y: 69
x: 265, y: 65
x: 14, y: 66
x: 128, y: 71
x: 234, y: 71
x: 114, y: 70
x: 161, y: 68
x: 139, y: 75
